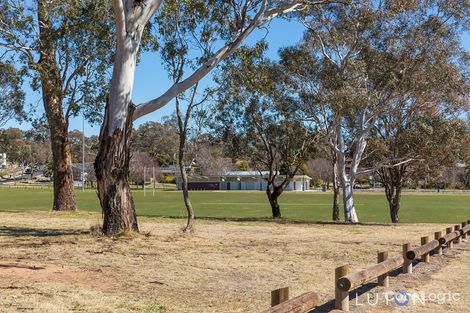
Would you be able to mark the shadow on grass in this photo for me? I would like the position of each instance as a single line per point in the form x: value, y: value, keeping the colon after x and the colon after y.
x: 28, y: 267
x: 269, y: 220
x: 39, y: 232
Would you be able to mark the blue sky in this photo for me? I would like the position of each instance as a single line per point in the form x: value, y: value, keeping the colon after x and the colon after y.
x: 151, y: 80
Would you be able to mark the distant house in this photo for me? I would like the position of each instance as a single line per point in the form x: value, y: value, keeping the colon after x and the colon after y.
x: 3, y: 160
x: 242, y: 180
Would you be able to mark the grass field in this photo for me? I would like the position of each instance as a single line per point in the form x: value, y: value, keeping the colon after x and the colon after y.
x: 308, y: 206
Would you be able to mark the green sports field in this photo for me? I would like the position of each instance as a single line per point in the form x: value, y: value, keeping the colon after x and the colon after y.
x: 309, y: 206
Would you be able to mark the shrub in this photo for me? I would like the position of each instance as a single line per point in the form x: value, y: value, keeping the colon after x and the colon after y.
x: 167, y: 179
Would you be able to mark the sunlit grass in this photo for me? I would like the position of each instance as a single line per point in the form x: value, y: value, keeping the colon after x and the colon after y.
x: 310, y: 206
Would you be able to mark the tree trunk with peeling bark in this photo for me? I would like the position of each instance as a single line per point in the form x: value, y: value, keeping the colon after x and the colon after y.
x: 64, y: 194
x: 112, y: 171
x: 112, y: 160
x: 348, y: 174
x: 347, y: 179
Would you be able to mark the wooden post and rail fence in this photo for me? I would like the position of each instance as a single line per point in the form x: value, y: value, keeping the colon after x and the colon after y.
x: 345, y: 282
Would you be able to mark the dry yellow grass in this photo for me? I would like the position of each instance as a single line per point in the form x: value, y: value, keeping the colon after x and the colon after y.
x: 51, y: 263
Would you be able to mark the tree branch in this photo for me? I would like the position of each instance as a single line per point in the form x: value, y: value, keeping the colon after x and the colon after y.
x: 263, y: 16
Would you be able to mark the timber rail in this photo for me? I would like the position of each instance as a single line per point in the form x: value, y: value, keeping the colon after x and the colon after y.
x: 346, y: 282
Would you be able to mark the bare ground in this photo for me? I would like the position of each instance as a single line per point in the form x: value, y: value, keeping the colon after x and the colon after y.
x: 50, y: 262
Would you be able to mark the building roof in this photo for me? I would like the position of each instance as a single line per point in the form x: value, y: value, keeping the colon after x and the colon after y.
x: 218, y: 178
x: 253, y: 173
x: 245, y: 173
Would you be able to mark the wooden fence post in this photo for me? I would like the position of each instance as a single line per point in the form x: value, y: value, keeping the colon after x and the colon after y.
x: 450, y: 244
x: 341, y: 297
x: 464, y: 236
x: 425, y: 257
x: 459, y: 238
x: 438, y: 235
x: 383, y: 279
x: 279, y: 296
x: 407, y: 264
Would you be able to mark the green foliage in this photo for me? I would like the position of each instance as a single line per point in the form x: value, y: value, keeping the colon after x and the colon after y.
x: 159, y: 140
x: 258, y: 117
x: 243, y: 165
x: 21, y: 148
x: 80, y: 33
x: 187, y: 30
x: 167, y: 179
x: 317, y: 182
x: 11, y: 95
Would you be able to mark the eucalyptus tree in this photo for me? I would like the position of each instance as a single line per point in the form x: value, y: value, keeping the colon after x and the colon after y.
x: 375, y: 61
x: 330, y: 75
x: 420, y: 47
x: 179, y: 40
x: 11, y: 95
x: 306, y: 74
x: 253, y: 104
x: 233, y: 22
x: 412, y: 144
x: 63, y: 48
x: 187, y: 153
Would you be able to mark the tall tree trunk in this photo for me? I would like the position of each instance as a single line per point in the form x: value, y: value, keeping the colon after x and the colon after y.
x: 347, y: 185
x: 187, y: 201
x: 395, y: 206
x: 335, y: 202
x: 347, y: 180
x: 335, y: 188
x: 350, y: 214
x: 183, y: 129
x: 112, y: 160
x: 64, y: 194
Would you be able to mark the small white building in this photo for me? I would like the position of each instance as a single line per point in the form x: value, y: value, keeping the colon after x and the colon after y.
x: 3, y: 160
x: 242, y: 180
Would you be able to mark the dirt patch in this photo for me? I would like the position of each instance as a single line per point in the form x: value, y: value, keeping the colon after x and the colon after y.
x: 31, y: 271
